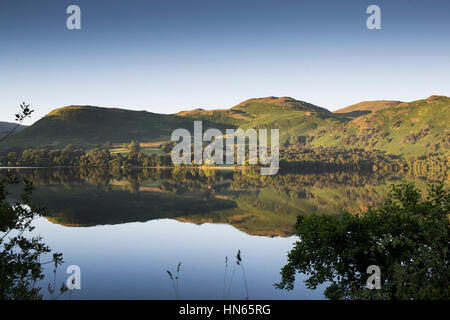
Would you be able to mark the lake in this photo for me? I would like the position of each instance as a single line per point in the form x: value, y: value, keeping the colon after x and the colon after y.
x: 126, y: 231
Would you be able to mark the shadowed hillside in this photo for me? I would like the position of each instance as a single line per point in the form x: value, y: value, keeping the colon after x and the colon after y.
x: 5, y: 127
x: 87, y: 126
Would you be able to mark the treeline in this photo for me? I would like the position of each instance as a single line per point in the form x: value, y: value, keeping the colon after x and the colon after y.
x: 180, y: 180
x: 71, y: 156
x: 334, y: 159
x: 296, y: 157
x: 175, y: 180
x: 319, y: 159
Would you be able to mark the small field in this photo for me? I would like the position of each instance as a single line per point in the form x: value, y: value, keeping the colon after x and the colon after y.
x: 147, y: 148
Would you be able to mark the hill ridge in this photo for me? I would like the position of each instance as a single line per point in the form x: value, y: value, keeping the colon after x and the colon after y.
x: 395, y: 127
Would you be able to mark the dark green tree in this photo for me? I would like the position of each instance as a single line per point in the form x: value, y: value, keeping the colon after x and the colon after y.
x: 406, y: 237
x: 134, y: 147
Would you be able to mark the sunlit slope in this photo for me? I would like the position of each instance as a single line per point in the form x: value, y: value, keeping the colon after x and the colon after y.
x: 395, y: 127
x: 290, y: 116
x: 401, y: 128
x: 414, y: 128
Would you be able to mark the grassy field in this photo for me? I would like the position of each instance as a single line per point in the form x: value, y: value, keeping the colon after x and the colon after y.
x: 125, y: 150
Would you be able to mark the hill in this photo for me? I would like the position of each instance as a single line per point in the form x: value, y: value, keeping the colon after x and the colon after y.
x: 294, y: 118
x: 254, y: 109
x: 413, y: 128
x: 395, y: 127
x: 88, y: 125
x: 400, y: 128
x: 5, y: 127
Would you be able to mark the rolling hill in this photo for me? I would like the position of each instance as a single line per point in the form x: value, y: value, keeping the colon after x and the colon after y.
x: 396, y: 127
x: 401, y: 128
x: 88, y: 125
x: 5, y: 127
x: 262, y: 110
x: 293, y: 117
x: 413, y: 128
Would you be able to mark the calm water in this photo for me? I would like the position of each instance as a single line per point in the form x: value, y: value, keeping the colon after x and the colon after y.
x: 124, y: 232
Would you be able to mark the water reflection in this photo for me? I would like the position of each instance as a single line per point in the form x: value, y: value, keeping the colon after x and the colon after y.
x: 125, y: 231
x: 255, y: 204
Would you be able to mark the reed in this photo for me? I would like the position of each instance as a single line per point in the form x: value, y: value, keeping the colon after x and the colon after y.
x: 225, y: 277
x: 241, y: 266
x: 175, y: 283
x: 57, y: 260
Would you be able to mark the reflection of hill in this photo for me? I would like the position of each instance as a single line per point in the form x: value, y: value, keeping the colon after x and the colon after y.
x: 261, y: 205
x: 88, y: 206
x: 273, y: 212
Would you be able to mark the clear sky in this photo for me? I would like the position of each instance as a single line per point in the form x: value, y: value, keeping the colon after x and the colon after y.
x: 169, y: 55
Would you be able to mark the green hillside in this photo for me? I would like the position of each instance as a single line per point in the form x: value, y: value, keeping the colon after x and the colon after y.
x: 414, y: 128
x: 294, y: 118
x: 262, y: 110
x: 401, y: 128
x: 87, y: 126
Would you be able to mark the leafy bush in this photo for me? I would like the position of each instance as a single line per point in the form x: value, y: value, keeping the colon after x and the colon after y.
x: 20, y: 256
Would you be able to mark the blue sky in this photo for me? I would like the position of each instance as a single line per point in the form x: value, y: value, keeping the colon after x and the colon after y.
x: 170, y: 55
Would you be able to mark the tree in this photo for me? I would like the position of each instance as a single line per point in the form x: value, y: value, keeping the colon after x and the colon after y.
x: 107, y: 145
x: 20, y: 255
x: 406, y: 237
x: 134, y: 147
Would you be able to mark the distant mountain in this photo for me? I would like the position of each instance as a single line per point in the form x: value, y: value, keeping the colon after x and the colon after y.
x: 6, y: 127
x: 402, y: 128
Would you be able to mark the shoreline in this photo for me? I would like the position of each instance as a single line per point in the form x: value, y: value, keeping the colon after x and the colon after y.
x: 149, y: 167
